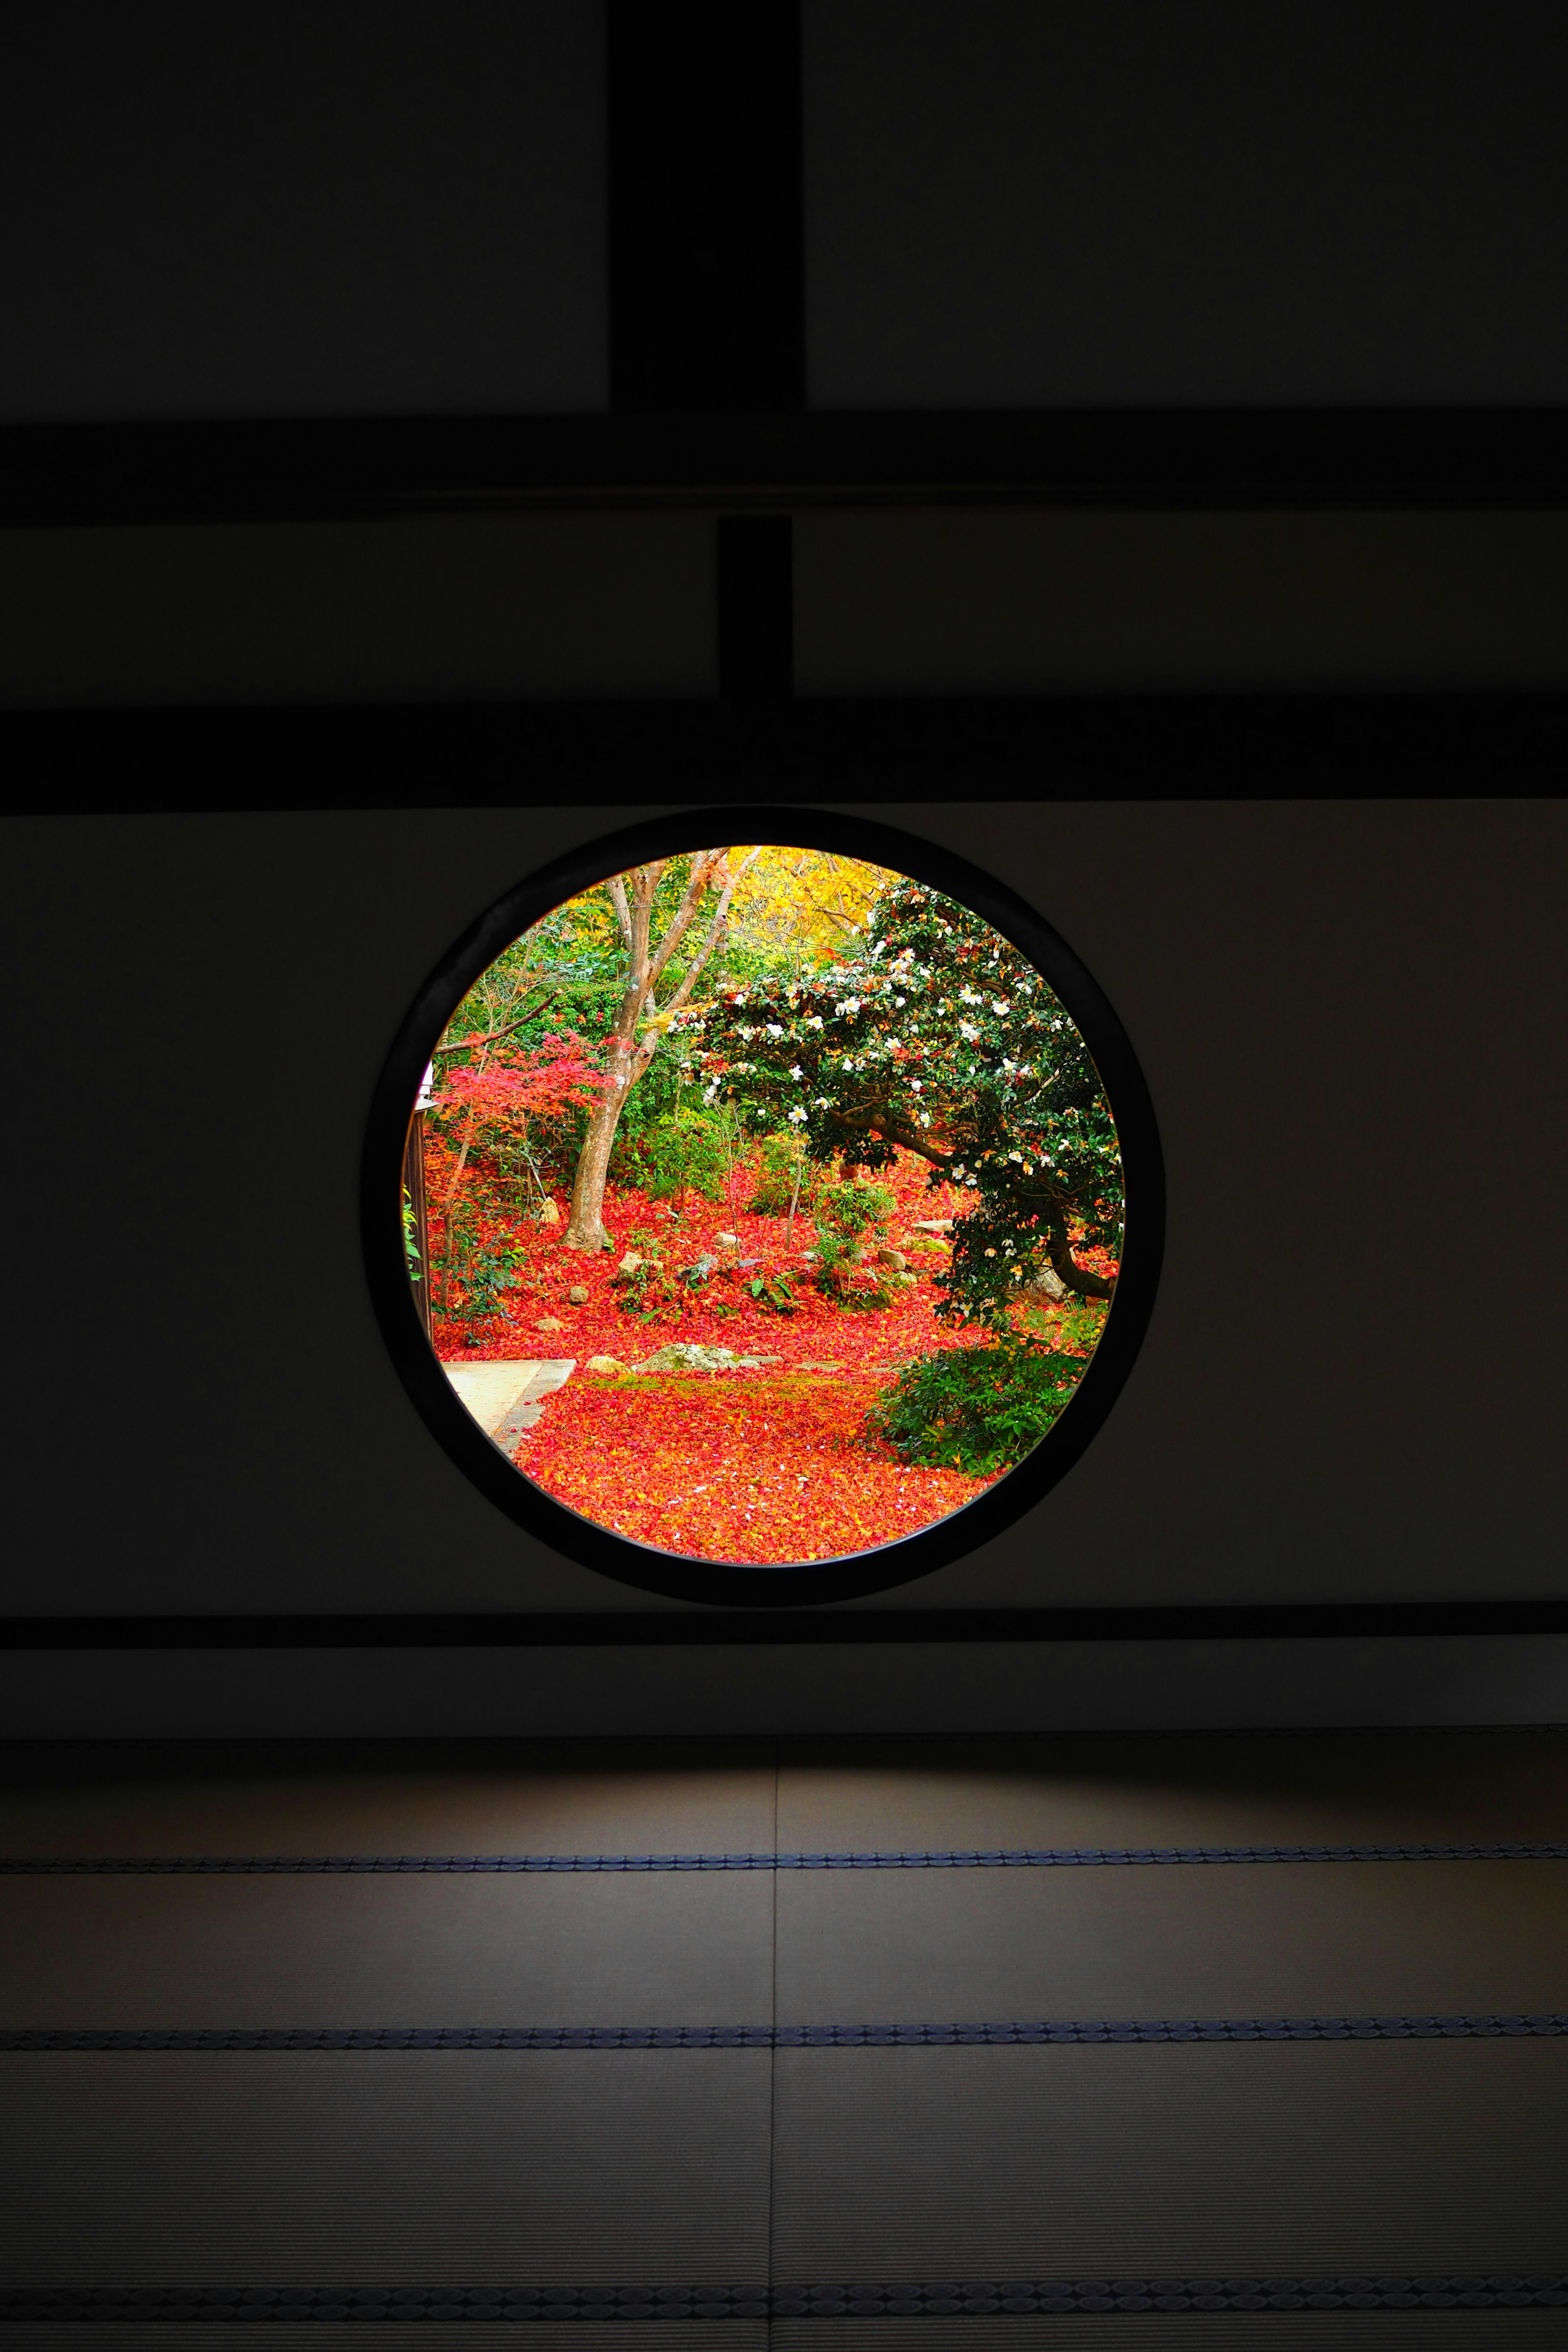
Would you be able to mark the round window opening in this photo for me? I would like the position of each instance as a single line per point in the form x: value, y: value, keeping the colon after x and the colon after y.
x: 762, y: 1221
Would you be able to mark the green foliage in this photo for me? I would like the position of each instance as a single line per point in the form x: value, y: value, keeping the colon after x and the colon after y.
x: 775, y: 1292
x: 411, y: 1238
x: 686, y: 1152
x: 848, y: 1209
x: 486, y: 1270
x: 649, y: 1291
x: 978, y: 1410
x: 940, y: 1038
x: 785, y: 1176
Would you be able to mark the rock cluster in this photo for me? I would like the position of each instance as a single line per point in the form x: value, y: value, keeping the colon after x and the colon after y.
x: 686, y: 1356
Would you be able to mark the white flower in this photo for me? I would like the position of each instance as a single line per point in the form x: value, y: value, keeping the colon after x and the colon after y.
x: 798, y: 1072
x: 998, y: 1006
x: 797, y: 1113
x: 824, y: 1102
x: 967, y: 1029
x: 914, y: 1086
x: 774, y: 1029
x: 899, y: 999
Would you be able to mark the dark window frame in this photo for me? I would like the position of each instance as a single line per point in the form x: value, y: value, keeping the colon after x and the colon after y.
x: 721, y: 1583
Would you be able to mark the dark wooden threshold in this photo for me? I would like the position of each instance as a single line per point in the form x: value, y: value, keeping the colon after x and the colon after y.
x: 939, y: 747
x: 816, y: 1628
x: 280, y: 469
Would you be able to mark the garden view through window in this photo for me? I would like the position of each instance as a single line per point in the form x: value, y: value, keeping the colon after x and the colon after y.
x: 764, y: 1205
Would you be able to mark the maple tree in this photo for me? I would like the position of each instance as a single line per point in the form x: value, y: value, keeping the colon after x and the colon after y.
x: 651, y: 930
x: 505, y: 1086
x: 940, y: 1038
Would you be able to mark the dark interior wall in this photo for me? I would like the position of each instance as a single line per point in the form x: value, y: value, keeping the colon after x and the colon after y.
x: 1353, y: 1018
x: 918, y: 603
x: 281, y: 210
x: 437, y: 607
x: 371, y: 210
x: 1013, y: 205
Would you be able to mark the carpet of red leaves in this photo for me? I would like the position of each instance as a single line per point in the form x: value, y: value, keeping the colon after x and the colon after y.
x: 767, y: 1468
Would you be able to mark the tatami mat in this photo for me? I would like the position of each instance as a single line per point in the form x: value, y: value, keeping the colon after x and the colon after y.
x: 369, y: 2168
x: 578, y: 1950
x: 1137, y: 2162
x: 621, y: 2167
x: 1304, y: 2331
x: 389, y: 2336
x: 189, y: 1797
x: 848, y: 1796
x: 1267, y: 1940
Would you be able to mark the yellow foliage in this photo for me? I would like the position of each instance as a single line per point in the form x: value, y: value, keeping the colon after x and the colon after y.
x: 808, y: 904
x: 808, y: 901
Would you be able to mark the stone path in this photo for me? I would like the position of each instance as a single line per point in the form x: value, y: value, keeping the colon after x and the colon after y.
x: 506, y: 1398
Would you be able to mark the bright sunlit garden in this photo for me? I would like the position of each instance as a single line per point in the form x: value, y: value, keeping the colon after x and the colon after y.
x: 791, y: 1182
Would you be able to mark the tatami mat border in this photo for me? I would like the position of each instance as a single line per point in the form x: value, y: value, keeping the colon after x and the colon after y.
x: 46, y: 2039
x: 957, y: 1858
x: 1396, y: 2292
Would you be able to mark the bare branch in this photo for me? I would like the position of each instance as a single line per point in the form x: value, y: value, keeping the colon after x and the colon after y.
x: 702, y: 867
x: 487, y: 1038
x: 615, y: 889
x: 715, y: 928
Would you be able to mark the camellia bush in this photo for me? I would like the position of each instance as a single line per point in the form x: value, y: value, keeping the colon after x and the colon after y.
x: 937, y: 1037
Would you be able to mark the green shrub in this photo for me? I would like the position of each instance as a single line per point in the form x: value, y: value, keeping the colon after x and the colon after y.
x: 845, y: 1212
x: 649, y: 1291
x: 978, y: 1410
x: 853, y: 1208
x: 687, y: 1152
x: 773, y: 1292
x: 783, y: 1160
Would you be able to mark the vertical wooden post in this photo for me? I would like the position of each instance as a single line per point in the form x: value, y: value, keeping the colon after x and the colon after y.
x: 414, y: 1192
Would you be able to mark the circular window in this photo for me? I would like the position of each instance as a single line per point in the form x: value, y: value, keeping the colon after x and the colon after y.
x: 764, y: 1221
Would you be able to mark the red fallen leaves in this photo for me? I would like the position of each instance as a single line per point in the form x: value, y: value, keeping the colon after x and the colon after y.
x: 766, y: 1467
x: 758, y: 1467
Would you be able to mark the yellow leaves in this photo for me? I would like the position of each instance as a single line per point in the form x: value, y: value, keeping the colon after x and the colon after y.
x: 809, y: 901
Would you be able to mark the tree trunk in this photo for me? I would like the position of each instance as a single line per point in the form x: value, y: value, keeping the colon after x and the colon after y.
x: 585, y: 1221
x: 627, y: 1056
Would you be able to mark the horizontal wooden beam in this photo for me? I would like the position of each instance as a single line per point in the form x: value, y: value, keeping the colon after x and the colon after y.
x: 282, y: 469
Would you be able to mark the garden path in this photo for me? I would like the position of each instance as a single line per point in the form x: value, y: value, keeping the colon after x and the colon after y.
x: 505, y: 1397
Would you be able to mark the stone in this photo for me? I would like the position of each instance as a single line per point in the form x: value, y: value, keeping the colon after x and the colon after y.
x: 809, y: 1364
x: 1048, y: 1288
x: 550, y: 1323
x: 688, y: 1356
x: 550, y: 1215
x: 630, y: 1264
x: 604, y: 1365
x: 701, y: 1268
x: 578, y: 1295
x: 727, y: 1241
x: 893, y: 1258
x: 932, y: 1225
